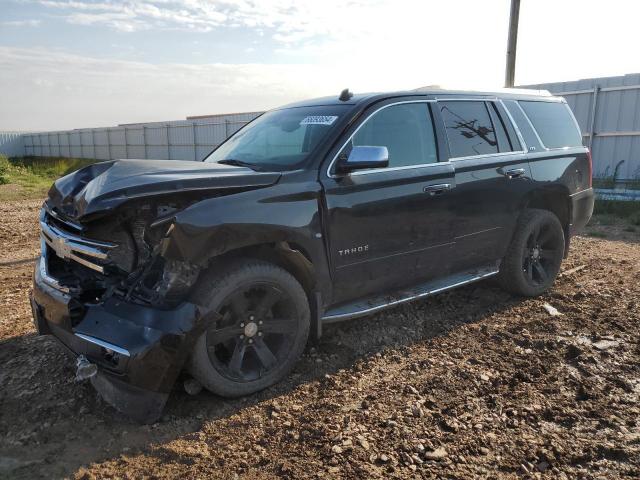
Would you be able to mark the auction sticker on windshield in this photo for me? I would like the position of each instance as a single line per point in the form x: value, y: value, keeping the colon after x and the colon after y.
x: 319, y: 120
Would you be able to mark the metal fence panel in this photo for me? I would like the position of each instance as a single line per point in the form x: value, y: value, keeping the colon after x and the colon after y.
x: 189, y: 139
x: 156, y: 139
x: 182, y: 142
x: 11, y: 143
x: 117, y: 144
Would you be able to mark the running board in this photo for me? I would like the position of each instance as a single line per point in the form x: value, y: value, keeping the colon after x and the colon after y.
x: 368, y: 306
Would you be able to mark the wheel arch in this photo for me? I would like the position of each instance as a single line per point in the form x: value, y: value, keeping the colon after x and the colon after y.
x: 555, y: 199
x: 293, y: 258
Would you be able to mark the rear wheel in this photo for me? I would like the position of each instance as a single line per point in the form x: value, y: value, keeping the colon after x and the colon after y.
x: 533, y: 259
x: 262, y: 328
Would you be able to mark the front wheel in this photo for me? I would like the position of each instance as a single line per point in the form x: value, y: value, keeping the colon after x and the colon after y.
x: 533, y: 259
x: 261, y: 331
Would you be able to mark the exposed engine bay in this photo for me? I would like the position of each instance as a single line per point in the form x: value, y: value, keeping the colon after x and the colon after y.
x: 119, y: 254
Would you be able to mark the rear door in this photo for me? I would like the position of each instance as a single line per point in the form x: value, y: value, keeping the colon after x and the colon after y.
x: 492, y: 177
x: 390, y: 227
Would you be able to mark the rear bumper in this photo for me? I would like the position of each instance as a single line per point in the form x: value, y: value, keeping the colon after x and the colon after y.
x: 139, y: 350
x: 581, y: 210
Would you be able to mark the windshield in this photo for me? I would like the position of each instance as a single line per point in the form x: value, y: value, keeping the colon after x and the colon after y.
x: 279, y: 139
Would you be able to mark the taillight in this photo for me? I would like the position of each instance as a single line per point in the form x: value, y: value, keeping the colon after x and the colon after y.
x: 590, y: 168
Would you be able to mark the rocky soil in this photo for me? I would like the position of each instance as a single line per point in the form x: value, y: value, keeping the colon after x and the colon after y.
x: 470, y: 383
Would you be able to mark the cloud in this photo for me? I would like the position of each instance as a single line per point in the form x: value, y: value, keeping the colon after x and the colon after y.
x: 55, y: 90
x: 117, y: 21
x: 21, y: 23
x: 129, y: 16
x: 288, y: 20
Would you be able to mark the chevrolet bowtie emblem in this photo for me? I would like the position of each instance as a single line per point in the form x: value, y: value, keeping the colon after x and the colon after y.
x: 61, y: 247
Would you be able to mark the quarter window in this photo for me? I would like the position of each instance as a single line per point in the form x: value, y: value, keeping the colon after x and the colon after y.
x: 407, y: 132
x: 554, y: 124
x: 469, y: 128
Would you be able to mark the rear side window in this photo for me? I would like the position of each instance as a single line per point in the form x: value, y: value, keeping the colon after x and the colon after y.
x: 469, y: 128
x: 407, y: 132
x: 506, y: 141
x: 554, y: 124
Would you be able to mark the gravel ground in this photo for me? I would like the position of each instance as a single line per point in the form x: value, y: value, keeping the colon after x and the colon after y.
x: 470, y: 383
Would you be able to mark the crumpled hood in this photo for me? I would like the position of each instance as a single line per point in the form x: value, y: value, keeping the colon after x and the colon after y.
x: 104, y: 186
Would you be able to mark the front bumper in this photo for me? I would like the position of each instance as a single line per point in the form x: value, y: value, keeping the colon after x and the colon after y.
x: 139, y: 350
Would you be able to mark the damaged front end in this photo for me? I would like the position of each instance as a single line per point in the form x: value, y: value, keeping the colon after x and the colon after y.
x: 105, y: 291
x: 105, y: 285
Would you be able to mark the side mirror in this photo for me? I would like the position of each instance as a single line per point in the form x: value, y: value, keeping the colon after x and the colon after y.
x: 362, y: 157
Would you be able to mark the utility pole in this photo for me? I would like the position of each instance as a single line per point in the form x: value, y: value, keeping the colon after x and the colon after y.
x: 510, y: 72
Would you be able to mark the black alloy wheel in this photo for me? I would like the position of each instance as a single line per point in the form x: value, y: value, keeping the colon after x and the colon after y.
x: 533, y: 258
x: 256, y: 331
x: 261, y: 329
x: 541, y: 253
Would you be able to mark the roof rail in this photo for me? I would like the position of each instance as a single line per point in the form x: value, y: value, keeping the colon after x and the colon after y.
x: 516, y: 91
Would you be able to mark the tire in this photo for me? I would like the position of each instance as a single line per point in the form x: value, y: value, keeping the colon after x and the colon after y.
x: 533, y: 258
x: 262, y: 331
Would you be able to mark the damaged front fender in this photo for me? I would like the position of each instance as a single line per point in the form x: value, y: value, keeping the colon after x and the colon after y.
x: 212, y: 227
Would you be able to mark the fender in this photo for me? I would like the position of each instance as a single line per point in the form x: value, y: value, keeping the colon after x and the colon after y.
x: 284, y: 212
x: 556, y: 198
x: 552, y: 193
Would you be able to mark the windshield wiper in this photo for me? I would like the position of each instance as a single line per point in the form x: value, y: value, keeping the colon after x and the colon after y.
x: 237, y: 163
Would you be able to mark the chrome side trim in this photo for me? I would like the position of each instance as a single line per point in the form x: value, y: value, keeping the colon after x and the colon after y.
x: 388, y: 169
x: 69, y: 246
x: 393, y: 169
x: 582, y: 193
x: 103, y: 344
x: 377, y: 308
x: 488, y: 155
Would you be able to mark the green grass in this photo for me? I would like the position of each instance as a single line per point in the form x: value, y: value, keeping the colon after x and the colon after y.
x: 31, y: 177
x: 606, y: 219
x: 604, y: 183
x: 621, y: 215
x: 609, y: 183
x: 629, y: 212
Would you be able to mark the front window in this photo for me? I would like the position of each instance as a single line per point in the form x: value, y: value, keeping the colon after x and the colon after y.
x: 405, y: 129
x: 279, y: 139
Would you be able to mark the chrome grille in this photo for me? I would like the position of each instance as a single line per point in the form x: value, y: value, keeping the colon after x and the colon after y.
x: 89, y: 253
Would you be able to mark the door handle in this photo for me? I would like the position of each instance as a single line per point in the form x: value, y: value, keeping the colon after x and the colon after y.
x: 433, y: 190
x: 514, y: 172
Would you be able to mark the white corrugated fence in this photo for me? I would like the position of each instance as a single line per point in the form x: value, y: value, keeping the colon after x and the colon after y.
x: 190, y: 139
x: 12, y: 144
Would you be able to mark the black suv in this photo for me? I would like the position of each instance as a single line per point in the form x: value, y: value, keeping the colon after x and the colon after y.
x: 311, y: 214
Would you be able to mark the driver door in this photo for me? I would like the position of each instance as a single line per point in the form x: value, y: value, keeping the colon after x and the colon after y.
x: 390, y: 227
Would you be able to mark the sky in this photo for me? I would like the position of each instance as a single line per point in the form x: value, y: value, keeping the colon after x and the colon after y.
x: 87, y: 63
